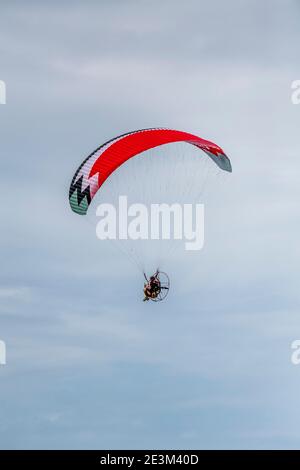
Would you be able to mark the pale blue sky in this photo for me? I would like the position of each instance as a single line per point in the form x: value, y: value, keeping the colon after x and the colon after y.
x: 88, y: 364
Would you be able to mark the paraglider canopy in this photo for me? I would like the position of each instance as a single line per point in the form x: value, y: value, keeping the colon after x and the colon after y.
x: 99, y: 165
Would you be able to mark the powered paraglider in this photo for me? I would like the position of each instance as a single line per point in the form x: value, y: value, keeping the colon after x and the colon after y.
x: 169, y: 160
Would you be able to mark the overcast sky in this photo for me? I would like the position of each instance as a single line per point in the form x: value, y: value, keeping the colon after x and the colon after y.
x: 88, y: 364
